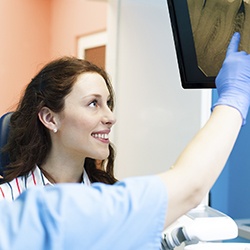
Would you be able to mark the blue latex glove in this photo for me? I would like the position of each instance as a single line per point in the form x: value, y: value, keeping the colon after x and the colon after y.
x: 233, y: 80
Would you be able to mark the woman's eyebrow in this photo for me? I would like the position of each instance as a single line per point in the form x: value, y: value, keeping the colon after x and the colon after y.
x: 97, y: 96
x: 92, y: 95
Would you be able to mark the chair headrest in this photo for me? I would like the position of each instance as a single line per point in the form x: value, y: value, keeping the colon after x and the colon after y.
x: 4, y: 133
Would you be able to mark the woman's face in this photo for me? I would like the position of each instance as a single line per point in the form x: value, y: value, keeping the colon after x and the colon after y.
x: 86, y: 121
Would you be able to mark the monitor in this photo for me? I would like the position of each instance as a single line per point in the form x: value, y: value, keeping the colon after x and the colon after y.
x: 202, y: 30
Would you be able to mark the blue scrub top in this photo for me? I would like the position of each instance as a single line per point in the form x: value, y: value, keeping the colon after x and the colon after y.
x: 129, y: 215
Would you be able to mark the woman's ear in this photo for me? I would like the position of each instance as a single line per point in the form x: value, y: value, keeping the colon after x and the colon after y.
x: 47, y: 118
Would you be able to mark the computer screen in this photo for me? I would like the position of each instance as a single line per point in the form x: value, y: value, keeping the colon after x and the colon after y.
x: 202, y: 30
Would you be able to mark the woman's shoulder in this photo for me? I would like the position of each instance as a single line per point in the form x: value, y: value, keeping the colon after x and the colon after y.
x: 11, y: 190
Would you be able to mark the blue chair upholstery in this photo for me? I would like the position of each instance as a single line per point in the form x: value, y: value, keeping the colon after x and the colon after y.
x: 4, y: 133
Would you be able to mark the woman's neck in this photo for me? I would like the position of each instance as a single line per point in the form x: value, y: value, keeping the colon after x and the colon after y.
x: 54, y: 180
x: 63, y: 170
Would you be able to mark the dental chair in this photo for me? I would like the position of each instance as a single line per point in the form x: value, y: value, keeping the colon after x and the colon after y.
x: 4, y: 133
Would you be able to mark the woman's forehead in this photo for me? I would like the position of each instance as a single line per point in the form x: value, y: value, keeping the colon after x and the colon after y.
x: 90, y: 83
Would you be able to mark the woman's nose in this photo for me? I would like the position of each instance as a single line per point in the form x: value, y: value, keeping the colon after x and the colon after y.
x: 109, y: 117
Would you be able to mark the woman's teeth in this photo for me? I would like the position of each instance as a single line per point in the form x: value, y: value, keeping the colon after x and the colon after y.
x: 102, y: 136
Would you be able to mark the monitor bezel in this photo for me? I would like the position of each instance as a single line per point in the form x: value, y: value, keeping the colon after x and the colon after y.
x: 190, y: 74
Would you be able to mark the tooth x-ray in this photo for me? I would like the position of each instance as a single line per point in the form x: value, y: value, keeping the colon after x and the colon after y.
x: 202, y: 30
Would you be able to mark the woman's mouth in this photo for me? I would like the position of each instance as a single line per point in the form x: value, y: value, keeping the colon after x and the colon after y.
x: 102, y: 137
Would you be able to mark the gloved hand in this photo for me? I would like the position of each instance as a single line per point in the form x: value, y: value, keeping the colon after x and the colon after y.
x: 233, y: 80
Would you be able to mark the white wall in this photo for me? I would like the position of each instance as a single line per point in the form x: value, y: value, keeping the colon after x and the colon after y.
x: 155, y: 116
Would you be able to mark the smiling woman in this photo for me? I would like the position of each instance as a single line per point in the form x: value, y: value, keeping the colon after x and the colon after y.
x: 61, y: 127
x: 82, y: 127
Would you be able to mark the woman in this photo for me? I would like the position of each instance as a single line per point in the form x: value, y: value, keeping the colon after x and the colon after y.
x: 61, y: 125
x: 131, y: 213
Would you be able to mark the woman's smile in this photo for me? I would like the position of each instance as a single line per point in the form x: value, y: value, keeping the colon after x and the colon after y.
x: 87, y: 119
x: 102, y: 136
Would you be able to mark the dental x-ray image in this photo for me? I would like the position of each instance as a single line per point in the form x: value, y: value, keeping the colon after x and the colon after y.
x: 202, y: 30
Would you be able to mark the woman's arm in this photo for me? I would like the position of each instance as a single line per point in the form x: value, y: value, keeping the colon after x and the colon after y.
x: 197, y: 168
x: 201, y: 162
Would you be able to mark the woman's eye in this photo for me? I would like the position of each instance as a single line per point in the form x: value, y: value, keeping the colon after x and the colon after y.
x: 93, y: 103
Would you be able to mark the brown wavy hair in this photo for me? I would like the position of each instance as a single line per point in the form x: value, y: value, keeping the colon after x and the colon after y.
x: 29, y: 141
